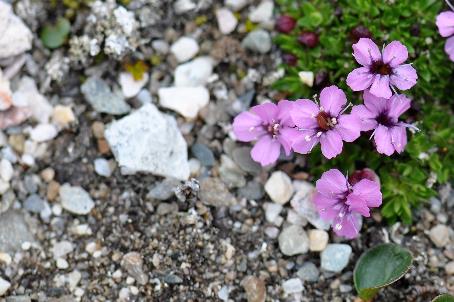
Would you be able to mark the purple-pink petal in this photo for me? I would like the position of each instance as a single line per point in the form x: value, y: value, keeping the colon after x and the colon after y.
x: 380, y: 87
x: 268, y: 112
x: 247, y: 127
x: 306, y: 141
x: 404, y: 77
x: 332, y: 184
x: 266, y: 150
x: 326, y: 206
x: 366, y: 52
x: 359, y: 79
x: 397, y: 105
x: 369, y: 191
x: 366, y: 117
x: 357, y: 204
x: 287, y: 136
x: 382, y: 139
x: 449, y: 48
x: 395, y: 53
x: 283, y: 115
x: 304, y: 113
x: 347, y: 226
x: 332, y: 99
x: 331, y: 144
x: 349, y: 127
x: 399, y: 138
x: 445, y: 23
x: 374, y: 104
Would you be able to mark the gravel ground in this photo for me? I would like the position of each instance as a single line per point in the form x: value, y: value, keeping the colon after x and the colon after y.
x: 90, y: 214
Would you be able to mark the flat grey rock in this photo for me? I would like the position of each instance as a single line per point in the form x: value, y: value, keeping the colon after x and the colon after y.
x: 15, y: 37
x: 13, y: 231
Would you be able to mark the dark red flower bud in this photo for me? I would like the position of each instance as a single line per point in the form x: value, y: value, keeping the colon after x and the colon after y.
x: 285, y: 24
x: 415, y: 30
x: 359, y: 32
x: 289, y: 59
x: 321, y: 79
x: 308, y: 39
x: 365, y: 173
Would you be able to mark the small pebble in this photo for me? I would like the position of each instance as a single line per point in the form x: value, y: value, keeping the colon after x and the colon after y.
x: 292, y: 286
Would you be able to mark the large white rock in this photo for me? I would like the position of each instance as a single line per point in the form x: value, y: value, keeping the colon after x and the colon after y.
x: 129, y: 86
x: 185, y: 48
x: 226, y: 20
x: 149, y: 141
x: 15, y: 37
x: 185, y: 100
x: 279, y: 187
x: 194, y: 73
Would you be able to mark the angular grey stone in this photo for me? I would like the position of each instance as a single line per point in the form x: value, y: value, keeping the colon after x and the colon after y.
x: 163, y: 190
x: 149, y: 141
x: 75, y: 200
x: 133, y: 264
x: 230, y: 173
x: 258, y: 40
x: 13, y: 231
x: 293, y: 240
x: 203, y: 153
x: 335, y: 257
x: 34, y: 204
x: 242, y: 157
x: 253, y: 190
x: 103, y: 100
x: 214, y: 192
x: 308, y: 272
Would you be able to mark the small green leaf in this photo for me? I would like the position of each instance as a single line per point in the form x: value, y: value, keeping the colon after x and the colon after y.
x: 379, y: 267
x: 444, y: 298
x: 54, y: 35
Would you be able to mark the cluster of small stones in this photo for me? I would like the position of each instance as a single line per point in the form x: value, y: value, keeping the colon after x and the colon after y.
x: 186, y: 215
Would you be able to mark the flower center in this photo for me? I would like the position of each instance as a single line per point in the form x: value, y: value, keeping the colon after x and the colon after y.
x: 385, y: 120
x: 273, y: 129
x: 325, y: 122
x: 380, y: 68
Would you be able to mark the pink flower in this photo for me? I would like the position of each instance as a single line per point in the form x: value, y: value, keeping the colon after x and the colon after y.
x: 271, y: 126
x: 382, y: 116
x: 445, y: 24
x: 343, y: 204
x: 325, y: 123
x: 381, y: 71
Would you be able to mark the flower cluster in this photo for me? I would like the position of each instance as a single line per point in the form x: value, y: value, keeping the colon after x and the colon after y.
x: 445, y: 24
x: 301, y: 125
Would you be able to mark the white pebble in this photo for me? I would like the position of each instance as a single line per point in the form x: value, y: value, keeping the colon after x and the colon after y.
x: 102, y: 167
x: 43, y: 132
x: 184, y: 48
x: 292, y: 286
x: 62, y: 263
x: 6, y: 170
x: 226, y: 20
x: 4, y: 286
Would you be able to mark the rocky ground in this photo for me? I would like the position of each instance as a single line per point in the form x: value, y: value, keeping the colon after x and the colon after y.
x: 94, y: 202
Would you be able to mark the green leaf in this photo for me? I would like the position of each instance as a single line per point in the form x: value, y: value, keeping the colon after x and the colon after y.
x: 54, y: 35
x: 379, y: 267
x: 444, y: 298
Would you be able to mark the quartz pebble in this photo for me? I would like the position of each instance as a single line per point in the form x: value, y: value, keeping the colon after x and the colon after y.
x: 63, y: 116
x: 214, y: 192
x: 6, y: 170
x: 439, y: 235
x: 226, y: 20
x: 292, y: 286
x: 16, y: 38
x: 130, y: 87
x: 279, y: 187
x: 62, y: 248
x: 335, y: 257
x: 184, y: 48
x: 450, y: 268
x: 102, y: 167
x: 132, y: 262
x: 43, y: 132
x: 272, y: 211
x: 14, y: 231
x: 318, y: 239
x: 194, y: 73
x: 263, y: 13
x: 293, y: 240
x: 75, y: 200
x: 185, y: 100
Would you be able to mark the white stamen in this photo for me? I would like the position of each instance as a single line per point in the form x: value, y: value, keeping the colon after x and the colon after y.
x: 334, y: 121
x: 319, y: 134
x: 251, y: 129
x: 307, y: 138
x: 338, y: 226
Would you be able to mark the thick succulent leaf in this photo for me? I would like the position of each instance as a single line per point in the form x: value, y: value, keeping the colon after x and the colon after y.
x: 444, y: 298
x: 54, y: 35
x: 379, y: 267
